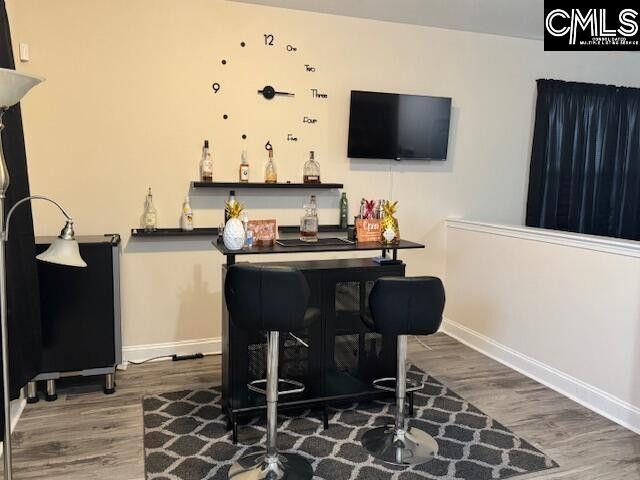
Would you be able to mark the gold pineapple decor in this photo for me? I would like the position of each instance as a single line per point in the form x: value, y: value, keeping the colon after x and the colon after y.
x: 389, y: 227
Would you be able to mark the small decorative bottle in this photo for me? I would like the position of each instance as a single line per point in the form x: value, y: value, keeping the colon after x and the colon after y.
x: 311, y: 171
x: 244, y: 167
x: 150, y: 216
x: 309, y: 222
x: 270, y: 174
x: 344, y: 211
x: 206, y: 164
x: 186, y: 219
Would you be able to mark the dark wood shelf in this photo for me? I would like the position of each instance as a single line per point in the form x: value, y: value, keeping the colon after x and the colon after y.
x: 213, y: 232
x: 266, y: 186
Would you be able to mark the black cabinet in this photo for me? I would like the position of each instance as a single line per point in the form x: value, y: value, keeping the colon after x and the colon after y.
x: 80, y: 314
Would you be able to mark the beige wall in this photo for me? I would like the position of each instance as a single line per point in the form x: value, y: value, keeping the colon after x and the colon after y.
x: 127, y: 103
x: 563, y: 308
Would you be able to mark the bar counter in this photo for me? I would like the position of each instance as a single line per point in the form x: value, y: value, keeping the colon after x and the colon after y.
x: 343, y: 356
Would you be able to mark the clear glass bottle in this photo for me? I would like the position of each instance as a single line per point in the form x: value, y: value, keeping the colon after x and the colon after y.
x: 186, y: 219
x: 206, y: 164
x: 244, y: 167
x: 311, y: 171
x: 270, y: 173
x: 309, y: 222
x: 150, y: 216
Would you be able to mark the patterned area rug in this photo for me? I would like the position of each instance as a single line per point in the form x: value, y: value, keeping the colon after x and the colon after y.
x: 186, y: 439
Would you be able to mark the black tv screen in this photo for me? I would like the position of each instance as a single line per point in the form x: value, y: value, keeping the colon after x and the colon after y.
x: 393, y: 126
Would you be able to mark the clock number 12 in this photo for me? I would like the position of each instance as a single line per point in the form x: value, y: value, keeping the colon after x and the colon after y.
x: 268, y: 39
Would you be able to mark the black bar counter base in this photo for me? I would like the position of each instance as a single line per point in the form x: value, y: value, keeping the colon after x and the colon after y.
x: 343, y: 356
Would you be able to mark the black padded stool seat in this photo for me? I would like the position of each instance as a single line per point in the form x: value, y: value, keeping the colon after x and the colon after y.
x: 272, y: 299
x: 406, y: 306
x: 403, y: 306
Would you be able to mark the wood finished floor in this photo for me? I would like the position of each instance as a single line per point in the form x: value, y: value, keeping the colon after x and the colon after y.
x: 94, y: 436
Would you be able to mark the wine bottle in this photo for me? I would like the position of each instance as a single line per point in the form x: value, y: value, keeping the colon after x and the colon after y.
x: 244, y: 167
x: 344, y: 211
x: 230, y: 201
x: 270, y: 173
x: 311, y: 170
x: 206, y: 164
x: 186, y: 219
x: 150, y: 216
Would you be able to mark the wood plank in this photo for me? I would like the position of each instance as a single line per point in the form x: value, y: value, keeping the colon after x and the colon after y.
x: 99, y: 437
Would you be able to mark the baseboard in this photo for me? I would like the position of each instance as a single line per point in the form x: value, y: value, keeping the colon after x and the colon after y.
x: 17, y: 407
x: 138, y: 353
x: 593, y: 398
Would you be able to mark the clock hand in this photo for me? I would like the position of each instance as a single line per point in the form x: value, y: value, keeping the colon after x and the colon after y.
x: 269, y: 92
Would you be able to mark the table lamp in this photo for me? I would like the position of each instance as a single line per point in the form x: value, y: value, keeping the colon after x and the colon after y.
x: 64, y: 250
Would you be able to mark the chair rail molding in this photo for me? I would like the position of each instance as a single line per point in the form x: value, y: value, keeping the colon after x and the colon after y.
x: 628, y: 248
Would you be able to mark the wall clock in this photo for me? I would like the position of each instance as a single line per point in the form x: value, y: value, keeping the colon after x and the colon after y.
x: 267, y: 89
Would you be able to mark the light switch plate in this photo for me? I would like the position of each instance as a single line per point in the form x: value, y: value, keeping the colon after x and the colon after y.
x: 24, y: 52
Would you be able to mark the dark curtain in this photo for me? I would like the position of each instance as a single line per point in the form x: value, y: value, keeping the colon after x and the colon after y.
x: 22, y: 278
x: 585, y: 163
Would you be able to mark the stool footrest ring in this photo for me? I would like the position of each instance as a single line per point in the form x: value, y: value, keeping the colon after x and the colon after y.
x: 412, y: 385
x: 298, y: 387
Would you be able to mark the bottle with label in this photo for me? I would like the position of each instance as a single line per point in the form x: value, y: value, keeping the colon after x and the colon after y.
x: 270, y: 174
x: 244, y: 167
x: 311, y: 171
x: 309, y: 222
x: 206, y: 164
x: 186, y: 219
x: 150, y: 216
x: 230, y: 201
x: 344, y: 211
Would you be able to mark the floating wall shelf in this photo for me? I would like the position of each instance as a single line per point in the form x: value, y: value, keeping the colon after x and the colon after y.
x: 213, y: 232
x: 267, y: 186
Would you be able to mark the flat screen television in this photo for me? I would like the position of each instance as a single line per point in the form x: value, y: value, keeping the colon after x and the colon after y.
x: 393, y: 126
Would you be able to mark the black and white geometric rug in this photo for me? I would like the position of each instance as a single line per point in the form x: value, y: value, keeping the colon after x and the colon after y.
x: 186, y: 439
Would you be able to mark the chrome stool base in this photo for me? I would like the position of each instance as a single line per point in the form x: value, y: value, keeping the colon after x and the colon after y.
x: 411, y: 447
x: 286, y: 466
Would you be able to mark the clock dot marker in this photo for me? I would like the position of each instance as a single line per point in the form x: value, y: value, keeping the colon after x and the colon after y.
x: 224, y: 62
x: 242, y: 44
x: 244, y: 137
x: 225, y: 116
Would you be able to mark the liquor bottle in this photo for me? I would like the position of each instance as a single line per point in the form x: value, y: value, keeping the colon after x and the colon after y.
x: 150, y: 216
x: 244, y: 167
x: 309, y: 221
x: 186, y: 219
x: 270, y: 174
x: 230, y: 201
x: 206, y: 164
x: 311, y: 171
x: 344, y: 211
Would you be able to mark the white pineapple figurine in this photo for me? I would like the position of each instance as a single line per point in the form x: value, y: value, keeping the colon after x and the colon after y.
x: 233, y: 235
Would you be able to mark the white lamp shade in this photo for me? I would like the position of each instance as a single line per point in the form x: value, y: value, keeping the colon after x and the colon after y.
x: 14, y: 86
x: 63, y: 252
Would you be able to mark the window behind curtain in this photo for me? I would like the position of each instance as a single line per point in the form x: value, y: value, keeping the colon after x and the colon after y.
x: 585, y: 163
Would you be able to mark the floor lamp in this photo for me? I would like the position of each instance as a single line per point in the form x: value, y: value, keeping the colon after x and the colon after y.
x: 64, y: 250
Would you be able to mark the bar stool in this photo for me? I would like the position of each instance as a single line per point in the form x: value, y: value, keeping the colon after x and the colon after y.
x: 272, y: 299
x: 403, y: 306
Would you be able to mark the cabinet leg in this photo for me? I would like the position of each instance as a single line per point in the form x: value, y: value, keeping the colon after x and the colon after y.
x: 51, y: 396
x: 325, y: 417
x: 235, y: 431
x: 110, y: 383
x: 32, y: 392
